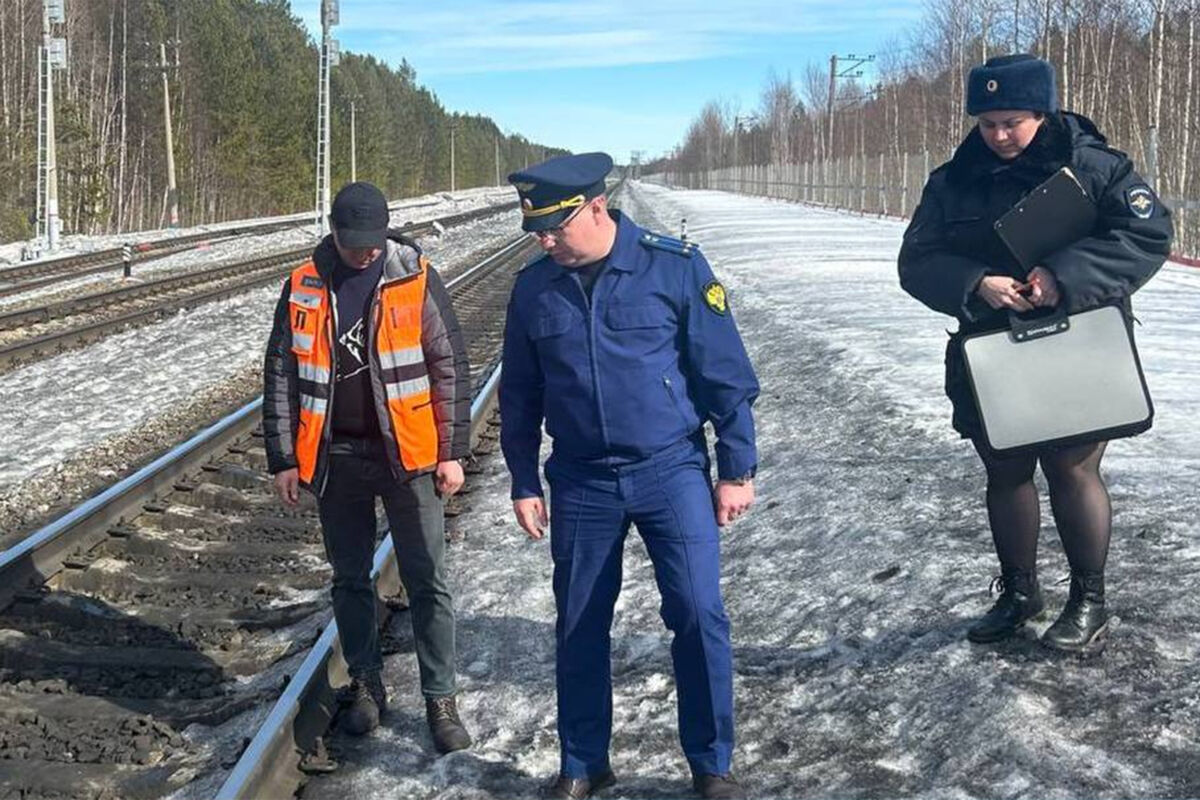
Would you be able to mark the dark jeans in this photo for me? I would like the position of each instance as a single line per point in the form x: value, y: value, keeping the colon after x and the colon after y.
x: 357, y: 475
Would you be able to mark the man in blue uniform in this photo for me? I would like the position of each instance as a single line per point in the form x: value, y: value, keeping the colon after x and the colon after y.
x: 622, y: 341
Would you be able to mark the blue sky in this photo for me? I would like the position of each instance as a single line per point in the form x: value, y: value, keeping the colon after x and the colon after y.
x: 617, y: 75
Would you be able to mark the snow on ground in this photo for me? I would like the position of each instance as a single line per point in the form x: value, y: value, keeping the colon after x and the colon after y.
x: 851, y: 585
x: 410, y: 208
x: 57, y: 408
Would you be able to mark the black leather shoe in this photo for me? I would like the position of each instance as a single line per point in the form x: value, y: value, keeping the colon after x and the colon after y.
x: 578, y: 788
x: 366, y: 702
x: 717, y: 787
x: 1082, y: 627
x: 449, y: 733
x: 1020, y: 600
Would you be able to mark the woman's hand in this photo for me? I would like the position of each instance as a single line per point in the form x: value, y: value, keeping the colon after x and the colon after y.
x: 1001, y: 291
x: 1043, y: 288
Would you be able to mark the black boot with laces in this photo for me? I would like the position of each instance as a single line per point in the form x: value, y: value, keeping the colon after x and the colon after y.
x: 367, y: 700
x: 449, y: 733
x: 1020, y: 600
x: 1083, y: 625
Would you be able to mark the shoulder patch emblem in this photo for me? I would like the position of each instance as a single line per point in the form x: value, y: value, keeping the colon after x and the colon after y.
x: 714, y: 298
x: 1140, y: 201
x: 312, y: 282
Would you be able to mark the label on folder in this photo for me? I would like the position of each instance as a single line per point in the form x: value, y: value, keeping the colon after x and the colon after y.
x: 1057, y: 213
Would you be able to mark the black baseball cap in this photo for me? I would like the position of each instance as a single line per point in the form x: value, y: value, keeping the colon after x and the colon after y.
x: 360, y: 216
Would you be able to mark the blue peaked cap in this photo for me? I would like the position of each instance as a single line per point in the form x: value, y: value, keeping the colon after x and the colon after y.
x: 552, y: 190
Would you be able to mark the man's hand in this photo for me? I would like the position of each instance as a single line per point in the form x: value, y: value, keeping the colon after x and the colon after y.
x: 1001, y: 291
x: 449, y: 477
x: 531, y: 516
x: 287, y: 486
x: 732, y: 499
x: 1043, y: 288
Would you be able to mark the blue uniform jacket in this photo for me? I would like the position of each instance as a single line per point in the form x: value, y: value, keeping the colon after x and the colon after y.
x: 641, y: 368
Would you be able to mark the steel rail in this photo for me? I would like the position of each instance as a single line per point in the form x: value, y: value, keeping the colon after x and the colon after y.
x: 39, y: 556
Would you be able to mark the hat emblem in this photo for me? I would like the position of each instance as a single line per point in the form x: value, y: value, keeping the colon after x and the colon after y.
x: 524, y: 186
x: 992, y: 85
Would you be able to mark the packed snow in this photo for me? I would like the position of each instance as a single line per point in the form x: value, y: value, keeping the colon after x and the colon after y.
x: 851, y: 584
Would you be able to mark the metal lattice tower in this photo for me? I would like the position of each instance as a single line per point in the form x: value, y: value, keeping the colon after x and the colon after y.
x: 329, y: 57
x: 51, y: 55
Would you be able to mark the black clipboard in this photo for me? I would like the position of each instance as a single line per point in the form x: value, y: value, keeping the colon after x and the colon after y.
x: 1057, y: 213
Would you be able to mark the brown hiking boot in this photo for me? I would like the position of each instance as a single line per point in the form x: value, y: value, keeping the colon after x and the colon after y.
x: 449, y: 733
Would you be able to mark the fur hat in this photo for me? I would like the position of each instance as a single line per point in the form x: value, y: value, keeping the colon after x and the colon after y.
x: 1019, y: 82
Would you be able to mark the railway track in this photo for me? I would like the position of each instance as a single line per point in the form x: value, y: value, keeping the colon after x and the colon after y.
x: 37, y: 274
x: 35, y: 332
x: 23, y: 277
x: 179, y: 596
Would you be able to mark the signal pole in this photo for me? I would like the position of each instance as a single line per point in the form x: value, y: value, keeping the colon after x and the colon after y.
x: 329, y: 55
x: 51, y: 55
x: 172, y: 191
x: 453, y: 126
x: 353, y: 146
x: 497, y: 140
x: 851, y: 71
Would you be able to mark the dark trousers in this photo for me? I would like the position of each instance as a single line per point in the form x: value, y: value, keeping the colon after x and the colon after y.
x: 357, y: 475
x: 669, y: 498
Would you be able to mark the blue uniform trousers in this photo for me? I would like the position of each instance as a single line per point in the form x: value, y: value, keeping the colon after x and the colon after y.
x: 669, y: 498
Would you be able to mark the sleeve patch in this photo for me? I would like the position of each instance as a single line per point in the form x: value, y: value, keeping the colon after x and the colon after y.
x: 1140, y: 201
x: 714, y: 298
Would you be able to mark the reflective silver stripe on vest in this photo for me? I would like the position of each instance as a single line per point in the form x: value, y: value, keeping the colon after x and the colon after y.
x: 302, y: 340
x: 311, y: 372
x: 402, y: 357
x: 306, y: 299
x: 398, y: 391
x: 313, y: 405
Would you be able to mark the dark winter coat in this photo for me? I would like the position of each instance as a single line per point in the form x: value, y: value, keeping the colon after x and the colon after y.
x: 950, y: 245
x: 445, y: 359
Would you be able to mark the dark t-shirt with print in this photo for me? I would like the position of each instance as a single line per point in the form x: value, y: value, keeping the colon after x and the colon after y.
x: 353, y: 403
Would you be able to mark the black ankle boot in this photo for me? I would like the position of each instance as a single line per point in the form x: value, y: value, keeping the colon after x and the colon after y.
x: 1083, y: 625
x: 366, y: 701
x: 1020, y: 600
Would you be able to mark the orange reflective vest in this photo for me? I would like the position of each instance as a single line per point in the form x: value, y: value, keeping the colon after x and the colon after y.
x: 397, y: 362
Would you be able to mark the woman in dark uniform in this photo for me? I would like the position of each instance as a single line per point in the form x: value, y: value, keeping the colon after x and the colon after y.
x: 952, y: 261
